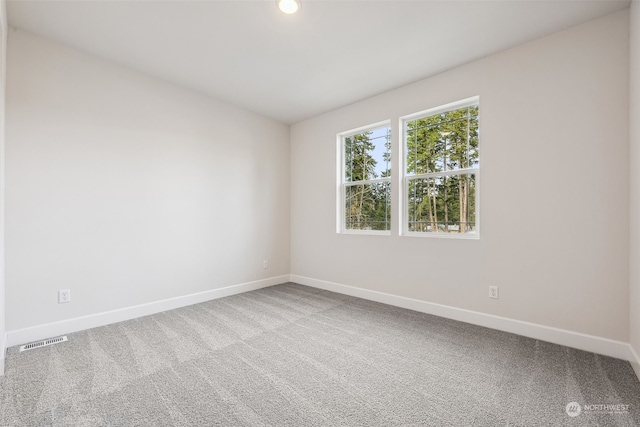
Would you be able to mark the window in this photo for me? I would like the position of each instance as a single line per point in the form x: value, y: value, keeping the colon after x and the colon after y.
x: 365, y: 180
x: 441, y: 168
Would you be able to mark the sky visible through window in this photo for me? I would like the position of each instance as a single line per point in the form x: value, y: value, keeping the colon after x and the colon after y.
x: 380, y: 138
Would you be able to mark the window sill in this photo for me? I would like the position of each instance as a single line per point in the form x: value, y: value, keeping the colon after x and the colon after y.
x: 366, y: 232
x: 465, y: 236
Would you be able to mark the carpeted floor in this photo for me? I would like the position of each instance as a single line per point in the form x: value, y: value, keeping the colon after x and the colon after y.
x: 291, y: 355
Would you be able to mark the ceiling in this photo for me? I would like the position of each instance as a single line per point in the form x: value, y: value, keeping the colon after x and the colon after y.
x: 293, y: 67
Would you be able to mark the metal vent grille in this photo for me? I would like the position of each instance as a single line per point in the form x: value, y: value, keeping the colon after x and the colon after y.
x: 43, y: 343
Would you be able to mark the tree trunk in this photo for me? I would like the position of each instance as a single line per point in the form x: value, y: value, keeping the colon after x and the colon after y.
x: 434, y: 224
x: 464, y: 198
x: 429, y: 210
x: 446, y: 208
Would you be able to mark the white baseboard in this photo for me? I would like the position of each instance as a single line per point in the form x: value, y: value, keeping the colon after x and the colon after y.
x: 34, y: 333
x: 604, y: 346
x: 3, y: 350
x: 635, y: 364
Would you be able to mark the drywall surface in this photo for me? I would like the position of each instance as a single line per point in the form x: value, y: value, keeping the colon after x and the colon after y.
x: 129, y: 190
x: 554, y: 183
x: 634, y: 138
x: 3, y: 75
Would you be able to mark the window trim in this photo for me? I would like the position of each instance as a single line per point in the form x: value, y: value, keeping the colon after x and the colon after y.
x: 405, y: 177
x: 342, y: 183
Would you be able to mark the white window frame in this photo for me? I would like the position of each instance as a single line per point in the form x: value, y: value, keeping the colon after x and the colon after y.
x: 342, y: 183
x: 405, y: 178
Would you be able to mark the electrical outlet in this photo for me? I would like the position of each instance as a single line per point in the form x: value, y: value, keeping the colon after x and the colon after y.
x: 64, y: 295
x: 493, y: 292
x: 265, y: 264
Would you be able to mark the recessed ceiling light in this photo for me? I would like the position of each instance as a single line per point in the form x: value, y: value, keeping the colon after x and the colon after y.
x: 289, y: 6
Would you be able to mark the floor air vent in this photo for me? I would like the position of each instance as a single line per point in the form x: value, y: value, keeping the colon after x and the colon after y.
x: 43, y: 343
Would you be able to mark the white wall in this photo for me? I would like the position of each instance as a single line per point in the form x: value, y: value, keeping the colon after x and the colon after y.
x: 554, y: 189
x: 129, y: 190
x: 634, y: 123
x: 3, y: 62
